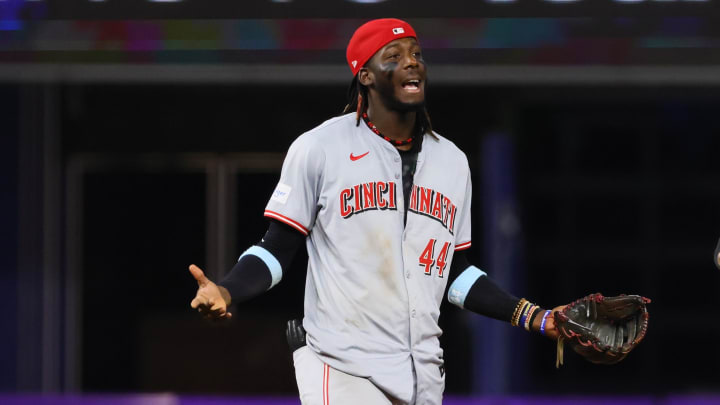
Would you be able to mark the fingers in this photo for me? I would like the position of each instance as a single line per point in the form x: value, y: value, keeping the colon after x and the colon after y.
x: 198, y: 274
x: 202, y: 300
x: 214, y: 315
x: 208, y: 301
x: 211, y: 312
x: 201, y: 306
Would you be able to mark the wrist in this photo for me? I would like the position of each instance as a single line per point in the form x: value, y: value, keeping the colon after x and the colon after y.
x: 225, y: 294
x: 537, y: 322
x: 542, y: 321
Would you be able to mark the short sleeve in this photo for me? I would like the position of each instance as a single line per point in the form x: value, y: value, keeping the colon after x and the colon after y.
x: 295, y: 198
x: 462, y: 220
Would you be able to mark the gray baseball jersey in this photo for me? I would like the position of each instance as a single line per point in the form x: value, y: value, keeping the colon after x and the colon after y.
x: 375, y: 284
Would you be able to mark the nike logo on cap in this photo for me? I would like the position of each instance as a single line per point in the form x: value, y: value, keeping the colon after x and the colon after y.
x: 354, y: 158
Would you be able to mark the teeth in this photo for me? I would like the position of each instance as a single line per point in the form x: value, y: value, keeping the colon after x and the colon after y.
x: 412, y: 85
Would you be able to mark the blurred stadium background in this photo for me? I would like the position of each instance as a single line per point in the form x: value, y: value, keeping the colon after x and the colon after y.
x: 137, y: 137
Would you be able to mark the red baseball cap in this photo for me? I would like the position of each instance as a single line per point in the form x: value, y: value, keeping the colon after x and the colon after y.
x: 372, y: 36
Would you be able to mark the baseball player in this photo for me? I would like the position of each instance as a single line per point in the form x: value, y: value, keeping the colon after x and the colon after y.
x: 382, y: 203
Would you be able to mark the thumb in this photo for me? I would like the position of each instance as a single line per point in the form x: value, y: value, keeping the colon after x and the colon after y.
x: 198, y: 275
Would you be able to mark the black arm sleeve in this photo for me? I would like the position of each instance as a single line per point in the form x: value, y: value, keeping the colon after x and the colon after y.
x: 485, y: 297
x: 250, y: 276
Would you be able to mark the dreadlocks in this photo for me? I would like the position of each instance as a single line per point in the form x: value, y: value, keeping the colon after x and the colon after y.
x: 358, y: 102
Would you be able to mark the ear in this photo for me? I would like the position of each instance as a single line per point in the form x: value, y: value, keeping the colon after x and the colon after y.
x: 365, y: 76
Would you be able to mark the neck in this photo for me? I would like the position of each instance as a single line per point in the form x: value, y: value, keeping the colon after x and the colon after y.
x: 396, y: 125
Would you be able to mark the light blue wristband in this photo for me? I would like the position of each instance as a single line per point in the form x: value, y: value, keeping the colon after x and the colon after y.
x: 270, y: 261
x: 460, y: 288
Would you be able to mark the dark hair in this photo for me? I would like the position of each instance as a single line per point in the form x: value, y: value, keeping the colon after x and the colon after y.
x: 359, y: 92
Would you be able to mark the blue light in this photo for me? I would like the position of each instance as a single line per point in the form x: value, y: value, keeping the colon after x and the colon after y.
x: 9, y: 13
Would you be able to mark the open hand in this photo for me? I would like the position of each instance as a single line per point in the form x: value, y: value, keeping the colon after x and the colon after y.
x: 210, y: 300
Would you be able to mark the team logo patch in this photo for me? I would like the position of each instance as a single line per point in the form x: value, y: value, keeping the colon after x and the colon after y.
x: 398, y: 31
x: 281, y: 193
x: 455, y: 296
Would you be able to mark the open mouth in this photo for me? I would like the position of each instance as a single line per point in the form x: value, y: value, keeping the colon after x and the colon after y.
x: 411, y: 86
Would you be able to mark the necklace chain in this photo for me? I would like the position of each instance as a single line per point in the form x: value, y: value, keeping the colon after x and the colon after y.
x: 377, y: 131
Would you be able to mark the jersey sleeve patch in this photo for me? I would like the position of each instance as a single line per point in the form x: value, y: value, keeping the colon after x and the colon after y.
x: 281, y: 193
x: 287, y: 221
x: 460, y: 288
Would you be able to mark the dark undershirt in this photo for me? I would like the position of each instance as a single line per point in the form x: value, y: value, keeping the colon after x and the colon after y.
x: 409, y: 164
x: 485, y: 297
x: 250, y: 276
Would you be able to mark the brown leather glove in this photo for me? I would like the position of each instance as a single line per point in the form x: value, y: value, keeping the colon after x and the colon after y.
x: 602, y: 329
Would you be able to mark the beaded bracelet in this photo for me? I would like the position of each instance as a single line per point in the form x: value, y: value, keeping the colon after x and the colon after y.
x: 526, y: 315
x: 523, y: 312
x: 530, y: 316
x: 542, y: 324
x: 518, y: 310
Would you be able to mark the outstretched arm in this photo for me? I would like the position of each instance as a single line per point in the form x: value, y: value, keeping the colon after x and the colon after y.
x: 258, y: 269
x: 473, y: 290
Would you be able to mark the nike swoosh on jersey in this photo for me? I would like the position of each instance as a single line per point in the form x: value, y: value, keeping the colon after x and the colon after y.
x: 354, y: 158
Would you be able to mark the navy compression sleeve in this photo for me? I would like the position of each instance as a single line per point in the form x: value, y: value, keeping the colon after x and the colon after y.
x: 472, y: 289
x: 261, y: 266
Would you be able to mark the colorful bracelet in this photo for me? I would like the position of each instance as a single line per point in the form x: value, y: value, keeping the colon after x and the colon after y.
x: 523, y: 316
x: 530, y: 316
x: 523, y: 313
x: 542, y: 324
x: 526, y: 316
x: 518, y: 310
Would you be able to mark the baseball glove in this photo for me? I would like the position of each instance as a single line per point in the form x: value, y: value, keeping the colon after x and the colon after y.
x: 602, y: 329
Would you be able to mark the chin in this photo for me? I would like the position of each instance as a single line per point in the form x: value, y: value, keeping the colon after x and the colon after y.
x: 405, y: 105
x: 401, y: 101
x: 414, y: 106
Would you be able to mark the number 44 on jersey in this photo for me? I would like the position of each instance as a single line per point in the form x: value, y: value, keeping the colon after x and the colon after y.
x: 427, y: 258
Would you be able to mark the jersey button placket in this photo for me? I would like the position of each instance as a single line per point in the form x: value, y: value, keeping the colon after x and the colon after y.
x: 409, y: 287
